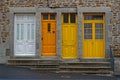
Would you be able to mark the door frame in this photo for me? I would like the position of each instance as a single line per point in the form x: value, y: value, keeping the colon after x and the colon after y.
x: 108, y: 38
x: 21, y: 10
x: 93, y: 22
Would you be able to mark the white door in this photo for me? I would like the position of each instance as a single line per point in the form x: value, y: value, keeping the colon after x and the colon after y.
x: 24, y: 35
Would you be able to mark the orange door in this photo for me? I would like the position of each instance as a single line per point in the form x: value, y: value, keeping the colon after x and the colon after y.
x: 48, y: 35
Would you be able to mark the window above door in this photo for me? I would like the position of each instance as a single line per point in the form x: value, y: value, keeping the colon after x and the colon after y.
x: 93, y: 16
x: 48, y: 16
x: 69, y: 18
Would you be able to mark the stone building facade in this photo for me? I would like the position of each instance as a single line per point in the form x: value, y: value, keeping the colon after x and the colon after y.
x: 9, y: 7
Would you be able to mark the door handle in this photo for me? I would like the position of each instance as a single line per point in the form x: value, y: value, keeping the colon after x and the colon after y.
x: 42, y: 38
x: 53, y: 31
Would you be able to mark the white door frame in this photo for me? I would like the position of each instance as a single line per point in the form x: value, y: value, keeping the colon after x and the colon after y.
x: 27, y: 47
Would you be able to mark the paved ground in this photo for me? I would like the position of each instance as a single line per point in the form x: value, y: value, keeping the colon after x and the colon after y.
x: 17, y: 73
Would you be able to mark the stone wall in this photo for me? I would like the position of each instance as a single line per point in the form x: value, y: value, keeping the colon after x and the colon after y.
x: 117, y: 66
x: 4, y: 17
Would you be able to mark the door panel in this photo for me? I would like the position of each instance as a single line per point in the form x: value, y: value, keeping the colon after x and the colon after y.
x: 19, y: 39
x: 69, y: 41
x: 99, y: 40
x: 69, y: 51
x: 24, y: 35
x: 30, y: 39
x: 49, y: 36
x: 88, y: 31
x: 93, y: 37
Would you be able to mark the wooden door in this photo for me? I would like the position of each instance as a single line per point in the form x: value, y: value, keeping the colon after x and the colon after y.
x: 93, y: 36
x: 49, y: 34
x: 69, y: 35
x: 24, y: 35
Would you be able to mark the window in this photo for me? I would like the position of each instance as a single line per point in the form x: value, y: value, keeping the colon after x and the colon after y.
x: 22, y: 31
x: 72, y: 18
x: 33, y: 31
x: 45, y: 16
x: 52, y: 16
x: 49, y: 27
x: 87, y: 31
x: 69, y: 18
x: 18, y: 31
x: 65, y: 18
x: 93, y: 17
x: 49, y: 16
x: 28, y: 31
x: 99, y: 31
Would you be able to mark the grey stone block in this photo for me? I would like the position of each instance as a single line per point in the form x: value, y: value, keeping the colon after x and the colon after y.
x: 3, y: 59
x: 117, y: 65
x: 0, y: 15
x: 110, y: 27
x: 22, y: 9
x: 94, y: 9
x: 118, y: 26
x: 118, y: 15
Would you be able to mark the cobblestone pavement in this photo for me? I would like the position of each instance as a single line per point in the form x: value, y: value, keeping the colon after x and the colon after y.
x: 17, y: 73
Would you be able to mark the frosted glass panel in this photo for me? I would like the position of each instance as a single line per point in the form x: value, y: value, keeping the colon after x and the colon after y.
x: 18, y: 32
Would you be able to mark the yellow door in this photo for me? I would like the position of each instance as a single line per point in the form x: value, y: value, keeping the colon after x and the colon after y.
x: 93, y: 36
x: 48, y: 35
x: 69, y: 35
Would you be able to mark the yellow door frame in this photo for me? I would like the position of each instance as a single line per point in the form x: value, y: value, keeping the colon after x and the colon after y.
x: 93, y: 40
